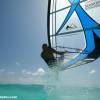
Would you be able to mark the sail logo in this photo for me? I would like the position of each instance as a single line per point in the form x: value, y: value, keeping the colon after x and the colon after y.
x: 90, y: 4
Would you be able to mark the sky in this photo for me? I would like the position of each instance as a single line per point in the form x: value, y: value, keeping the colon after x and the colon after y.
x: 23, y: 30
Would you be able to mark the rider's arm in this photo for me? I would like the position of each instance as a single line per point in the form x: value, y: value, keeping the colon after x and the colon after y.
x: 57, y: 52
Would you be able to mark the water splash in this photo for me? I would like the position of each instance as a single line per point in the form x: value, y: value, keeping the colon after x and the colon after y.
x: 56, y: 91
x: 53, y: 85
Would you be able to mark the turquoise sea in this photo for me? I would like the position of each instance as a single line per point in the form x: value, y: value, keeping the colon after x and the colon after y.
x: 46, y: 92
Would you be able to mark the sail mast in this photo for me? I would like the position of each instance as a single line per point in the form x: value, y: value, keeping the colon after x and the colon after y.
x: 48, y: 22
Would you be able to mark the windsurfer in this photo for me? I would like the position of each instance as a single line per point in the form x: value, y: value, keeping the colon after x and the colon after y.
x: 48, y: 55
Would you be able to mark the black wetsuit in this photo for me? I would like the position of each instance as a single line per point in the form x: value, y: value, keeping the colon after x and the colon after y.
x: 48, y: 56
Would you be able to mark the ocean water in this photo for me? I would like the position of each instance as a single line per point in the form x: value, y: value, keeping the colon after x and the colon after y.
x: 47, y: 92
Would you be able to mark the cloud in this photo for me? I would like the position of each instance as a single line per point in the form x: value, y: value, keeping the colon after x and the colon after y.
x: 25, y: 72
x: 92, y: 71
x: 18, y: 64
x: 36, y: 77
x: 28, y: 73
x: 39, y: 72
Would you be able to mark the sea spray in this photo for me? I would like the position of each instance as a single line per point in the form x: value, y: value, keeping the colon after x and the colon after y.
x: 52, y: 86
x: 56, y: 90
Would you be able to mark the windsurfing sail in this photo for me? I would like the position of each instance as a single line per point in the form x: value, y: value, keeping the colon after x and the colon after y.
x: 73, y: 25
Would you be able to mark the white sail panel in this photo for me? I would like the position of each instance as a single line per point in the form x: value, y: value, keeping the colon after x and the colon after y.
x: 53, y: 41
x: 58, y: 4
x: 52, y: 6
x: 93, y: 12
x: 52, y: 24
x: 67, y: 41
x: 60, y: 16
x: 72, y: 25
x: 62, y: 4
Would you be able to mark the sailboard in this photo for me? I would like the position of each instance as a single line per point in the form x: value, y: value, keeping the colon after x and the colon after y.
x: 73, y: 26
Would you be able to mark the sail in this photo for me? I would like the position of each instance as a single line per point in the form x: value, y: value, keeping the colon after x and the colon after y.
x: 70, y: 27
